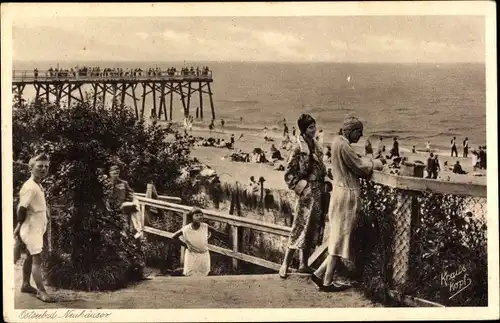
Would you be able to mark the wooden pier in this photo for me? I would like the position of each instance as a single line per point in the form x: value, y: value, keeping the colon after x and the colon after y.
x: 160, y: 87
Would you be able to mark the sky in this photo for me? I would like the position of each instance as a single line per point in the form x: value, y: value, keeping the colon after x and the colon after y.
x: 405, y: 39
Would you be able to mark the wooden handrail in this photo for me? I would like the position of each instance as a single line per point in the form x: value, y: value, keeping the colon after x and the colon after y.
x: 43, y: 75
x: 425, y: 184
x: 165, y: 198
x: 223, y: 251
x: 217, y: 216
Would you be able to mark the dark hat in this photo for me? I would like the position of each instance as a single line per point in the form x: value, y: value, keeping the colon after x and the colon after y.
x: 304, y: 122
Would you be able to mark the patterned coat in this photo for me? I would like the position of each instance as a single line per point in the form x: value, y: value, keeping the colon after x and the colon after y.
x: 299, y: 174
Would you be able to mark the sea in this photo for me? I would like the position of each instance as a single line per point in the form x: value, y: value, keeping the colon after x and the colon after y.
x: 414, y: 102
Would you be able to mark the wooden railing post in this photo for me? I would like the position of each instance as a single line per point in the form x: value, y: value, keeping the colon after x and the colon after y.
x: 142, y: 210
x: 235, y: 233
x: 183, y: 249
x: 147, y: 211
x: 261, y: 181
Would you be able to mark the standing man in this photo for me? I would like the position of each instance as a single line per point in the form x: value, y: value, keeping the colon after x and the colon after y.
x: 285, y: 131
x: 438, y: 166
x: 482, y: 157
x: 232, y: 141
x: 222, y: 123
x: 466, y: 147
x: 454, y: 147
x: 32, y: 224
x: 432, y: 167
x: 211, y: 126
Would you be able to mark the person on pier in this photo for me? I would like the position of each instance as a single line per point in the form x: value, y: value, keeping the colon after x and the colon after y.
x: 304, y: 174
x: 32, y: 222
x: 345, y: 202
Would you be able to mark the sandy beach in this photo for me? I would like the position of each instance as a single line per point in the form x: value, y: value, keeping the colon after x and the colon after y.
x: 230, y: 171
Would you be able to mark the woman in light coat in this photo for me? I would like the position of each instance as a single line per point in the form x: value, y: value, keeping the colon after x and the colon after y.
x: 305, y: 174
x: 347, y: 168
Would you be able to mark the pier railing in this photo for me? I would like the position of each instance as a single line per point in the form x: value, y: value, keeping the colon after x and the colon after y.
x: 46, y: 76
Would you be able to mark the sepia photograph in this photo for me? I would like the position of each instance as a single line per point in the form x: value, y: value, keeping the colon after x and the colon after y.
x: 293, y: 161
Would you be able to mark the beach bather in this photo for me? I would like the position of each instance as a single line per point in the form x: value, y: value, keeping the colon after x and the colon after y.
x: 395, y: 148
x: 457, y: 169
x: 466, y: 147
x: 454, y: 147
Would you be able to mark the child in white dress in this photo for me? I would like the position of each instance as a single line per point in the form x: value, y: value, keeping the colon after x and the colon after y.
x: 195, y: 239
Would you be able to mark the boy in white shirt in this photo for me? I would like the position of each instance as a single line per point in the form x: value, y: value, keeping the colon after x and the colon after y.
x: 32, y: 224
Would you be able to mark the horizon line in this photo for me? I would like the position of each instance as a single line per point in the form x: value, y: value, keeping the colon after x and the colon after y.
x: 249, y: 61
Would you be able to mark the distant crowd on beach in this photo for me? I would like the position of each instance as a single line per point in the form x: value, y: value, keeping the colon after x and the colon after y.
x: 432, y: 167
x: 97, y: 71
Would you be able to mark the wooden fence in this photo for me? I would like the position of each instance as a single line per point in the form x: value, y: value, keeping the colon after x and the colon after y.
x: 408, y: 193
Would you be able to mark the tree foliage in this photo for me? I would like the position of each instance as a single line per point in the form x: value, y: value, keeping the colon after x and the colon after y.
x: 82, y: 141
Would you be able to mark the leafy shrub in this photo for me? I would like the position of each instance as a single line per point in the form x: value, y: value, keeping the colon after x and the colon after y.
x: 442, y: 238
x: 447, y: 239
x: 373, y: 239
